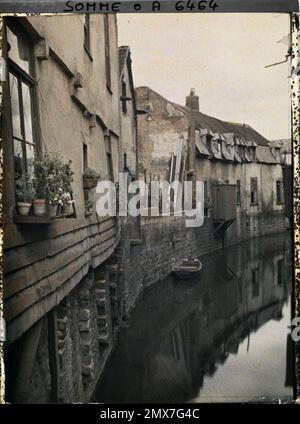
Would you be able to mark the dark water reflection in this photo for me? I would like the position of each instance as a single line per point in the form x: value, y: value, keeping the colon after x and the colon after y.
x: 220, y: 338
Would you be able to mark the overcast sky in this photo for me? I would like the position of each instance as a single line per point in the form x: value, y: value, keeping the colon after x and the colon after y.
x: 222, y: 56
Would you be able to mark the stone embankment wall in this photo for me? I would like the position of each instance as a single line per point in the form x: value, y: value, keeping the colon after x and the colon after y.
x: 164, y: 240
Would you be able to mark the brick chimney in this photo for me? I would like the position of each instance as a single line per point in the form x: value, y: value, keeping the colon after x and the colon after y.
x: 192, y: 101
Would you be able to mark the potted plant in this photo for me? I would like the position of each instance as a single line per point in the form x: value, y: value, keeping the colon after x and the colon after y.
x: 24, y: 195
x: 89, y: 207
x: 53, y: 177
x: 55, y: 202
x: 90, y: 178
x: 67, y: 203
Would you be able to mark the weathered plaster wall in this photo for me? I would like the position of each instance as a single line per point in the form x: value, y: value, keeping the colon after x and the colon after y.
x: 158, y: 131
x: 64, y: 126
x: 43, y: 263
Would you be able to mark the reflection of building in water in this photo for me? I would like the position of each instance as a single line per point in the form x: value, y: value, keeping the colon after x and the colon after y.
x: 183, y: 331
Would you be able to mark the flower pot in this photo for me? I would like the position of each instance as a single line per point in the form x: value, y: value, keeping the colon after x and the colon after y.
x: 53, y: 210
x: 68, y: 209
x: 23, y: 208
x: 89, y: 183
x: 39, y: 207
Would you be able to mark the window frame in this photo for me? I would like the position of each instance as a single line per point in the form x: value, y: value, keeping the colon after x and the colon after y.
x: 110, y: 165
x: 85, y: 159
x: 123, y: 94
x: 107, y: 52
x: 31, y: 82
x: 206, y: 198
x: 238, y: 193
x: 87, y: 35
x: 29, y: 78
x: 280, y: 272
x: 255, y: 282
x: 255, y: 201
x: 281, y: 200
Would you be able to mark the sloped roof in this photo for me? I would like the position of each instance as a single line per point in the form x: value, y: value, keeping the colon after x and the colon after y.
x: 227, y: 152
x: 237, y: 157
x: 284, y: 143
x: 217, y: 126
x: 203, y: 121
x: 264, y: 154
x: 201, y: 147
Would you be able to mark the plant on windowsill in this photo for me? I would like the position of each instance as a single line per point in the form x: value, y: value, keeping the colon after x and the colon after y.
x: 90, y: 178
x: 68, y: 203
x: 24, y: 195
x: 52, y: 178
x: 88, y: 208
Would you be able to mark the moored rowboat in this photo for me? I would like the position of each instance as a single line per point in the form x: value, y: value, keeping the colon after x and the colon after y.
x: 188, y: 268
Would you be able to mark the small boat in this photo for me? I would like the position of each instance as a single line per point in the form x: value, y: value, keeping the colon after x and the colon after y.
x: 188, y: 268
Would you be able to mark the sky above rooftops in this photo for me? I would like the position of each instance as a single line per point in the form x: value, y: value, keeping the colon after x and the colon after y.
x: 222, y: 56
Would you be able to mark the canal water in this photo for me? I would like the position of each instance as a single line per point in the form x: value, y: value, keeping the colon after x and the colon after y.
x: 222, y: 337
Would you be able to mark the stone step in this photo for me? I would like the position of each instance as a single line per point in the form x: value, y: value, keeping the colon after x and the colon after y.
x: 103, y: 338
x: 100, y: 281
x: 101, y: 301
x: 102, y: 323
x: 112, y: 267
x: 100, y: 293
x: 100, y: 286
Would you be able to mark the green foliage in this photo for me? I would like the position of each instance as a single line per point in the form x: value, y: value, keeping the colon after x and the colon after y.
x: 88, y: 206
x: 24, y: 189
x: 52, y: 175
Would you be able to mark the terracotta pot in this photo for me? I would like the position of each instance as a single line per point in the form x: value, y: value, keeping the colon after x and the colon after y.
x: 53, y: 210
x: 23, y: 208
x: 39, y: 207
x: 68, y: 209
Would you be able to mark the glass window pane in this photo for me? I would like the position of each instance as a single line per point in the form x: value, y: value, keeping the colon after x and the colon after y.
x: 18, y: 158
x: 30, y: 153
x: 19, y: 50
x: 15, y: 110
x: 27, y: 112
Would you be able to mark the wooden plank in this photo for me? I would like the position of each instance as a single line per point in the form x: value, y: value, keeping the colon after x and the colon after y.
x: 24, y: 299
x: 17, y: 304
x: 34, y: 252
x: 33, y: 220
x: 27, y: 276
x: 31, y: 253
x: 24, y: 321
x: 31, y: 315
x: 14, y: 237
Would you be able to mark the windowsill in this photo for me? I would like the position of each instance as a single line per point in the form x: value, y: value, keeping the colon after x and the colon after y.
x: 41, y: 220
x: 30, y: 219
x: 253, y: 204
x: 280, y: 203
x: 88, y: 53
